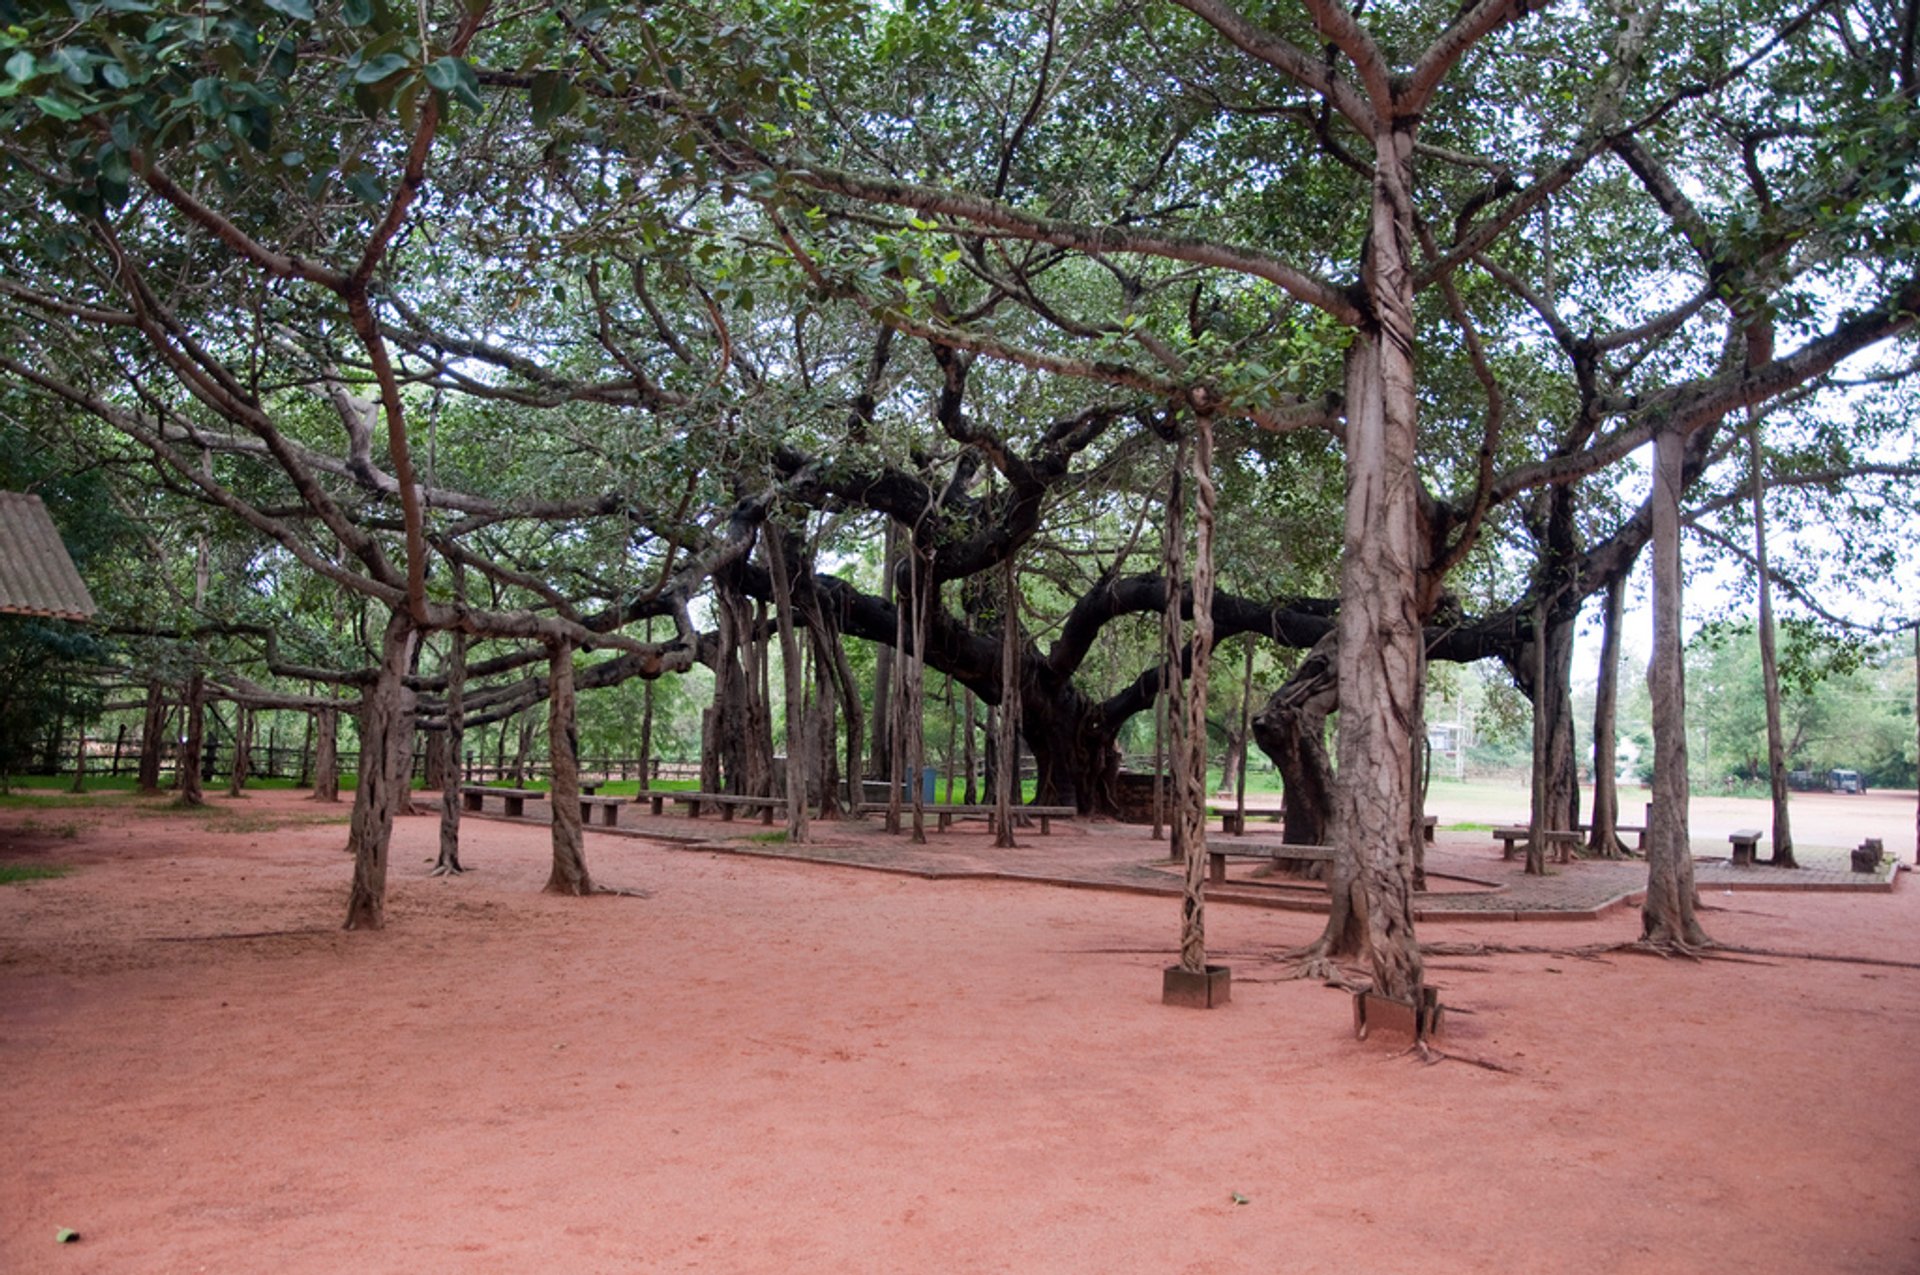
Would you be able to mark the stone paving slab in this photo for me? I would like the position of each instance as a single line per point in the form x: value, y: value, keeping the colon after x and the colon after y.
x: 1083, y: 854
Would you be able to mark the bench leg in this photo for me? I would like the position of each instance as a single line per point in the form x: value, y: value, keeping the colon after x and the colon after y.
x: 659, y: 805
x: 516, y: 806
x: 1217, y: 868
x: 610, y: 815
x: 1506, y: 847
x: 470, y: 800
x: 1046, y: 825
x: 766, y: 815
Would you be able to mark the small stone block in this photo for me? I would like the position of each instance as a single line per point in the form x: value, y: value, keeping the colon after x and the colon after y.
x: 1209, y: 990
x: 1375, y: 1015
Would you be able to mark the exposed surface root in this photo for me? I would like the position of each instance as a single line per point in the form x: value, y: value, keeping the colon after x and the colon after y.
x: 1588, y: 952
x: 621, y: 892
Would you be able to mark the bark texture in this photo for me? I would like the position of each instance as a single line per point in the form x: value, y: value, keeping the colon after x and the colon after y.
x: 1667, y: 916
x: 1604, y: 841
x: 569, y: 875
x: 153, y: 739
x: 326, y: 755
x: 448, y: 861
x: 386, y: 767
x: 1769, y: 664
x: 1292, y: 730
x: 1383, y: 556
x: 192, y: 749
x: 1191, y: 809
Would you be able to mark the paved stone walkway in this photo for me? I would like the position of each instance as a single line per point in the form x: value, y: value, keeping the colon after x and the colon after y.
x: 1467, y: 877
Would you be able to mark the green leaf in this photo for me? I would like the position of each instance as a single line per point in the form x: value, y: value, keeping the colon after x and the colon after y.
x: 1241, y: 1199
x: 455, y: 77
x: 21, y: 65
x: 56, y: 108
x: 358, y: 13
x: 380, y: 68
x: 65, y: 1235
x: 551, y: 96
x: 300, y: 10
x: 364, y: 187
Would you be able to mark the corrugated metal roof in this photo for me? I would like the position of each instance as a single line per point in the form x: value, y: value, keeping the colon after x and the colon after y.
x: 36, y: 575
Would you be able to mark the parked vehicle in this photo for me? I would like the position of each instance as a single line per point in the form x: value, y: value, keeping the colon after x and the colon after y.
x: 1848, y: 781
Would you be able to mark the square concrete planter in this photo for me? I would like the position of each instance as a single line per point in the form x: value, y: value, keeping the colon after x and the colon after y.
x: 1209, y: 990
x: 1376, y: 1015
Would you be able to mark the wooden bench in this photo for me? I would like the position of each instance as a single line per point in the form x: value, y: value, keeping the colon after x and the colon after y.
x: 1561, y: 842
x: 473, y: 797
x: 945, y: 815
x: 726, y: 802
x: 1746, y: 843
x: 1276, y: 854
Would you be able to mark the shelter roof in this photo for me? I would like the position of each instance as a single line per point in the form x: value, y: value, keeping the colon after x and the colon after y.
x: 36, y: 575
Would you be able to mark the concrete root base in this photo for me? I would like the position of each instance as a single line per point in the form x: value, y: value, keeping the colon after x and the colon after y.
x: 1208, y: 990
x: 1376, y: 1015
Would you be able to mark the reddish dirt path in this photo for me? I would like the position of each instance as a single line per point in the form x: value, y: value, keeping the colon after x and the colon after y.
x: 774, y: 1066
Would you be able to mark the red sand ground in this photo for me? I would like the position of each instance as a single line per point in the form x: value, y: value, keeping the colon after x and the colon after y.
x: 775, y: 1066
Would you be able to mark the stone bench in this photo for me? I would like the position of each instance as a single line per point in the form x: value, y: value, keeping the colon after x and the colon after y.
x: 473, y: 797
x: 725, y: 802
x: 945, y: 815
x: 1561, y: 842
x: 609, y: 808
x: 1272, y: 853
x: 1746, y: 843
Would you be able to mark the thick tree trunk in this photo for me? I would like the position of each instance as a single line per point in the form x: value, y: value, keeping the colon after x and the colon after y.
x: 733, y: 723
x: 823, y: 723
x: 914, y: 687
x: 1292, y: 730
x: 448, y: 862
x: 242, y: 750
x: 569, y: 874
x: 386, y: 766
x: 1191, y: 809
x: 970, y: 795
x: 191, y: 793
x: 1540, y: 818
x: 1006, y: 766
x: 563, y: 757
x: 1381, y: 642
x: 153, y: 739
x: 1769, y: 664
x: 326, y: 755
x: 1667, y: 916
x: 881, y: 761
x: 440, y: 770
x: 799, y: 737
x: 1244, y: 741
x: 1604, y: 843
x: 1172, y: 649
